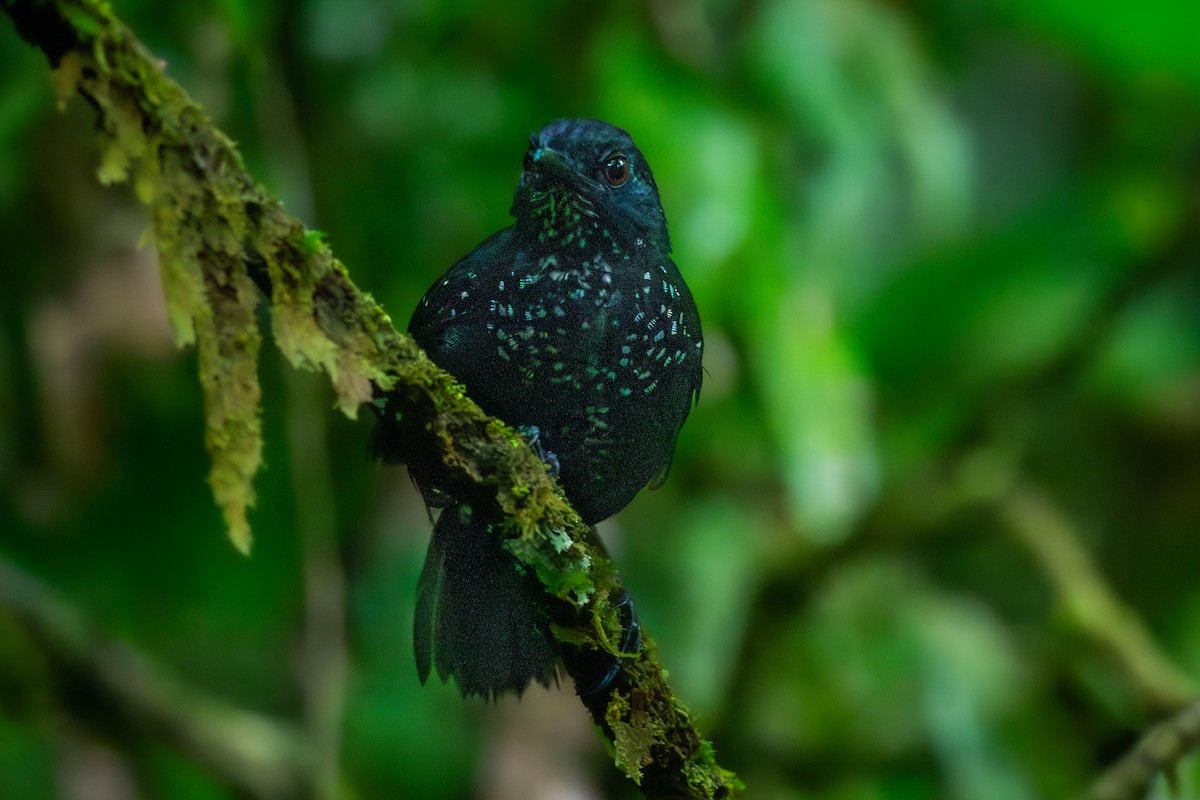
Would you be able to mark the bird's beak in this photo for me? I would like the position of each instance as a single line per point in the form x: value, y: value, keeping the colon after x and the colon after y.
x: 551, y: 165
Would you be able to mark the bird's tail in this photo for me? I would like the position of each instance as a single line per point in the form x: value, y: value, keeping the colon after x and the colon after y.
x: 480, y: 616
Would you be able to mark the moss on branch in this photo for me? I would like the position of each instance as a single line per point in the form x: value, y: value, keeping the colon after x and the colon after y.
x: 209, y: 219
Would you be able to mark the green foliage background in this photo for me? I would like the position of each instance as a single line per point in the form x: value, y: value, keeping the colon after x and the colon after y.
x: 947, y: 254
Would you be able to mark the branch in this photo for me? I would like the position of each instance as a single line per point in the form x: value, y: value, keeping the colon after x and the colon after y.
x: 1094, y: 609
x: 209, y: 220
x: 1090, y: 603
x: 988, y: 478
x: 1158, y: 751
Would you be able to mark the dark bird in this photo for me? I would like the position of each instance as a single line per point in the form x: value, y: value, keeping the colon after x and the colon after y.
x: 574, y: 326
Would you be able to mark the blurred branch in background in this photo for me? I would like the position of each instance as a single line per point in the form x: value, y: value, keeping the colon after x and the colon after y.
x: 1088, y: 602
x: 1157, y: 753
x: 323, y: 666
x: 112, y: 687
x: 323, y: 663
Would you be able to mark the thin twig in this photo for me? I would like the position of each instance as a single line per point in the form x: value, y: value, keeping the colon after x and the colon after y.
x: 1158, y: 751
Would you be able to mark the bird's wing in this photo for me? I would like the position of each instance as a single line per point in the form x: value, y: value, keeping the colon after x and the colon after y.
x: 445, y: 318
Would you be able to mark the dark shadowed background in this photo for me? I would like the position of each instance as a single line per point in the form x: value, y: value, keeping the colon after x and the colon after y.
x: 933, y: 529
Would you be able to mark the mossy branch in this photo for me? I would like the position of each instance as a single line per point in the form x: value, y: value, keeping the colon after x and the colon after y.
x: 209, y: 219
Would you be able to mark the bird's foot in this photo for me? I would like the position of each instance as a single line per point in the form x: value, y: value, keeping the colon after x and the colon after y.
x: 533, y: 435
x: 607, y: 667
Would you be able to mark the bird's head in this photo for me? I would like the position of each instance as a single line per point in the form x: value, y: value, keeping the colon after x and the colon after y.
x: 594, y: 170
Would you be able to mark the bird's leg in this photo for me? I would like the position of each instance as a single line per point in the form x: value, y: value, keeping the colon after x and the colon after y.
x: 631, y: 641
x: 533, y: 435
x: 606, y: 667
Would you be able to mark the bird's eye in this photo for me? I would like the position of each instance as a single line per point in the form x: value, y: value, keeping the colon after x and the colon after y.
x: 616, y: 170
